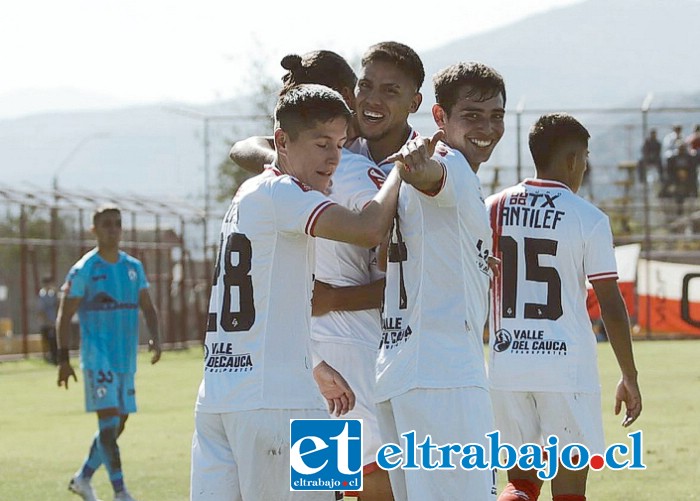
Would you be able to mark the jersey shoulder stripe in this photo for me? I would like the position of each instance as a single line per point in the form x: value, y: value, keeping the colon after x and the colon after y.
x: 313, y: 218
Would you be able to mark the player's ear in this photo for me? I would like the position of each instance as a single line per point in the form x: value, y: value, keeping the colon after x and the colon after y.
x: 415, y: 102
x: 281, y: 139
x: 439, y: 115
x: 349, y: 97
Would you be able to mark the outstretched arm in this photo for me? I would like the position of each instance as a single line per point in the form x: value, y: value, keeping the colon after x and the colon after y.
x: 254, y: 153
x: 420, y: 170
x: 366, y: 228
x: 617, y: 326
x: 149, y: 312
x: 66, y: 309
x: 351, y: 298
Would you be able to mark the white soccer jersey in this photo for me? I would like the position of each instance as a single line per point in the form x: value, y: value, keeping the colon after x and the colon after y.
x: 437, y: 281
x: 361, y: 147
x: 256, y: 347
x: 355, y: 182
x: 549, y: 241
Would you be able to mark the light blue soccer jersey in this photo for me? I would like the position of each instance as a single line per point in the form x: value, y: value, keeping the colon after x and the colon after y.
x: 108, y: 311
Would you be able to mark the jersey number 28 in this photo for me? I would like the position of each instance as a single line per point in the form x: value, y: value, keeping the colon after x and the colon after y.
x: 236, y: 276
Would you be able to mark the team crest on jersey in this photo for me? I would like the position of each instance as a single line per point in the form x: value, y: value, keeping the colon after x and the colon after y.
x: 376, y: 176
x: 132, y: 274
x: 502, y: 340
x: 220, y: 357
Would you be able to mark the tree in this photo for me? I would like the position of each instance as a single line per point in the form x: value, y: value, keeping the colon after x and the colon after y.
x: 267, y: 87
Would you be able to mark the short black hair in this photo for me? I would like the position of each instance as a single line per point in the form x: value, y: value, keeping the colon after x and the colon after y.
x: 484, y: 82
x: 550, y: 133
x: 400, y: 55
x: 301, y: 107
x: 322, y: 67
x: 103, y: 209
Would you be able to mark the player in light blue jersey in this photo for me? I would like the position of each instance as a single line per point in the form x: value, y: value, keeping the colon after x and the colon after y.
x: 106, y: 287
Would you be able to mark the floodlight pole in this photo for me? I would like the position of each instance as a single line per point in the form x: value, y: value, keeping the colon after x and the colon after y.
x: 53, y: 228
x: 518, y: 125
x: 647, y: 230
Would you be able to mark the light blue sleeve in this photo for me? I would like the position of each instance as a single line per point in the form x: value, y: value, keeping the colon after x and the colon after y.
x: 75, y: 283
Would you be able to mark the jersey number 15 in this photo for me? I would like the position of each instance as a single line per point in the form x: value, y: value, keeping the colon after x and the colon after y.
x: 533, y: 248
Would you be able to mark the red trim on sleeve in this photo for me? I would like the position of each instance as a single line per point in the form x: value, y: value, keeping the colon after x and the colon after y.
x: 311, y: 222
x: 443, y: 179
x: 603, y: 276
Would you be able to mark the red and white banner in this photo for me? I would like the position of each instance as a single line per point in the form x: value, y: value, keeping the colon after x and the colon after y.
x: 671, y: 291
x: 626, y: 257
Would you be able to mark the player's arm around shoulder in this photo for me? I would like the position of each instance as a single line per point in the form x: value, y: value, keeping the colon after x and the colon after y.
x: 366, y: 228
x: 149, y: 312
x: 616, y: 320
x: 253, y: 153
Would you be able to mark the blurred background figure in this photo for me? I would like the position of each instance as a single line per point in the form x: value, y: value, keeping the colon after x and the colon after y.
x: 671, y: 142
x: 682, y: 172
x: 693, y: 141
x: 47, y: 306
x: 651, y: 156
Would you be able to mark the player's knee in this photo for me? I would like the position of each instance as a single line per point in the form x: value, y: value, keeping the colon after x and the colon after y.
x: 109, y: 427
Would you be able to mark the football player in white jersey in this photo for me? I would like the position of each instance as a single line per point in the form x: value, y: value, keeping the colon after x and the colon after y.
x: 258, y: 370
x: 346, y: 327
x: 543, y: 364
x: 387, y: 93
x: 431, y: 374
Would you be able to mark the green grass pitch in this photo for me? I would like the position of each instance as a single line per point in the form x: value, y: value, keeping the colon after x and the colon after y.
x: 45, y: 433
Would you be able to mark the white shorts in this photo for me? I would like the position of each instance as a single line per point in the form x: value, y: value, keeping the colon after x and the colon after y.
x: 357, y: 365
x: 450, y: 415
x: 245, y: 456
x: 530, y: 417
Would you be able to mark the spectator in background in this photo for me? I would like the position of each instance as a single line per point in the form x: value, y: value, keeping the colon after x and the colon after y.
x: 48, y: 307
x: 651, y: 156
x: 671, y: 142
x: 693, y: 141
x: 682, y: 171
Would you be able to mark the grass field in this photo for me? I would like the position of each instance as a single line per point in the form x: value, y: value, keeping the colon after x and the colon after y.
x: 44, y: 432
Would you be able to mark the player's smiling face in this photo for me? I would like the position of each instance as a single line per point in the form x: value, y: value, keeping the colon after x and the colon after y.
x: 385, y: 96
x: 314, y: 154
x: 473, y: 127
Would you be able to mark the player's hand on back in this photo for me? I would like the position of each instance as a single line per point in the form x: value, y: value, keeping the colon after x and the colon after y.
x: 628, y: 392
x: 335, y: 389
x: 321, y: 300
x: 65, y: 371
